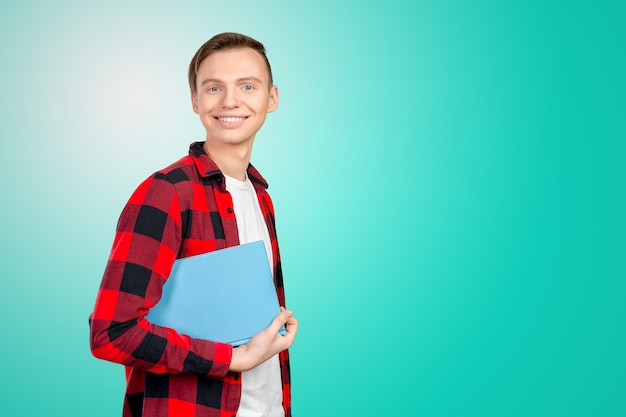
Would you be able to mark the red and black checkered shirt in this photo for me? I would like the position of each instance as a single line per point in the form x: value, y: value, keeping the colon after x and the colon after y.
x: 180, y: 211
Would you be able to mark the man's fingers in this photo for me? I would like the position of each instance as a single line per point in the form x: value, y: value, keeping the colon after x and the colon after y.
x: 292, y: 326
x: 285, y: 317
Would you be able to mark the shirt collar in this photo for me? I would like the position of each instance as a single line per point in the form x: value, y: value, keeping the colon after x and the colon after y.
x: 208, y: 168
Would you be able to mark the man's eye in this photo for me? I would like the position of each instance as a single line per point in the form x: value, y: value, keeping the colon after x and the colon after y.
x: 214, y: 89
x: 248, y: 87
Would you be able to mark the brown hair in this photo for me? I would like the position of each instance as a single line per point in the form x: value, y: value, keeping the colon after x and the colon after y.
x: 222, y: 42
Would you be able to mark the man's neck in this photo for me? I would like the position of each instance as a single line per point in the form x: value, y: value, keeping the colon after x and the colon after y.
x: 231, y: 160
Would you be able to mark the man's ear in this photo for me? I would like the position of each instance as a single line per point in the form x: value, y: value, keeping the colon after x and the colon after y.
x: 272, y: 104
x: 194, y: 102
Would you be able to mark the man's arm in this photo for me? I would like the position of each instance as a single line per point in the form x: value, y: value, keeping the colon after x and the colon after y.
x: 147, y: 241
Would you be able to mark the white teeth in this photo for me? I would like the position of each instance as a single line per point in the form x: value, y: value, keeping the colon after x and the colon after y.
x: 230, y: 119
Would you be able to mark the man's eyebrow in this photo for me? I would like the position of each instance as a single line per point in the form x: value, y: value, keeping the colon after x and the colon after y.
x: 240, y: 80
x: 250, y: 79
x: 209, y: 80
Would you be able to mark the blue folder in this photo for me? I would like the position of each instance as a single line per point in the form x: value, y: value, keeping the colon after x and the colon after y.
x: 225, y: 296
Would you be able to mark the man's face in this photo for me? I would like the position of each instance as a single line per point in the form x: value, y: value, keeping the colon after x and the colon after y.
x: 233, y: 95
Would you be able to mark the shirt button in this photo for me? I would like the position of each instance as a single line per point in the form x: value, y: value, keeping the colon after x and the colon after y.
x: 237, y: 377
x: 229, y: 210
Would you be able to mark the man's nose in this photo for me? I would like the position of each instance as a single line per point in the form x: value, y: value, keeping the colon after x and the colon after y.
x: 231, y: 99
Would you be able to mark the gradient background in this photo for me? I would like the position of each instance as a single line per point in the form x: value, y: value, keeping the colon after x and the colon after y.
x: 449, y: 178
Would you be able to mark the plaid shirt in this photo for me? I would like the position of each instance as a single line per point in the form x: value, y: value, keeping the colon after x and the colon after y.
x: 180, y: 211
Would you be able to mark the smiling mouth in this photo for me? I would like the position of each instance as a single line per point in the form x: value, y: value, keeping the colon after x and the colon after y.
x: 231, y: 119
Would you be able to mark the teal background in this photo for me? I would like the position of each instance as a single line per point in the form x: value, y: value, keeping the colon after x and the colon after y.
x: 449, y: 181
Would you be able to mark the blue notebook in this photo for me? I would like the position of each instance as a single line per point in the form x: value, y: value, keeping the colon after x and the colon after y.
x: 225, y: 296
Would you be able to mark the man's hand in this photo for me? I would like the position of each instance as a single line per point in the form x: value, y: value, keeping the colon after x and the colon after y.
x: 266, y: 343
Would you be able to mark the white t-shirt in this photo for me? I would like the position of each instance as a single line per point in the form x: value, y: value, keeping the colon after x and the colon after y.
x: 261, y: 387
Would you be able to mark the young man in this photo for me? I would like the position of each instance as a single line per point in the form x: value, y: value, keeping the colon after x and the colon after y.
x: 209, y: 200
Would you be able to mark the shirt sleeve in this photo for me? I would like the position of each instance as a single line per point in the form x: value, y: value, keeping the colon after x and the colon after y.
x: 146, y: 244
